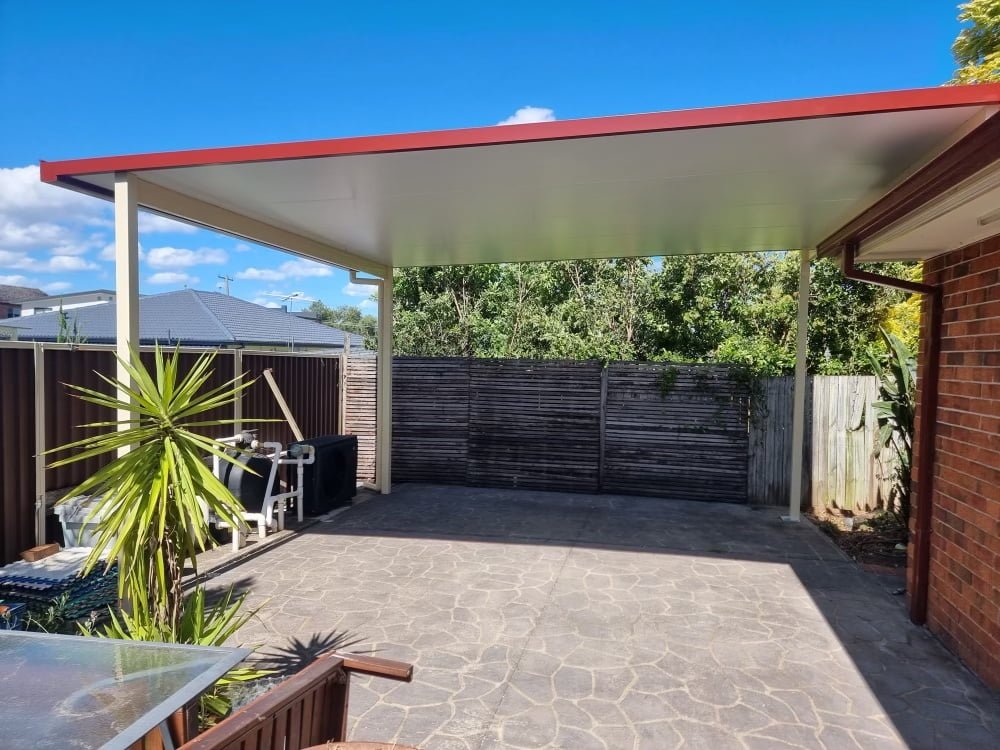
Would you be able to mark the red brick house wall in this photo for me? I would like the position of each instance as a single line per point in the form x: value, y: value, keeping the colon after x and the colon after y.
x: 964, y: 588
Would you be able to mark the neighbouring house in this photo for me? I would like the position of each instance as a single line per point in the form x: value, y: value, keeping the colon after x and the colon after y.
x: 69, y: 301
x: 188, y: 317
x: 14, y: 298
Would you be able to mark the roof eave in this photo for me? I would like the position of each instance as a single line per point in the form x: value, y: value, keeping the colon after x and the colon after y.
x: 67, y: 172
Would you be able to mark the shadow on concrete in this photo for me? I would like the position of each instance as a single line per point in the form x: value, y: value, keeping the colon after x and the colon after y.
x: 931, y: 699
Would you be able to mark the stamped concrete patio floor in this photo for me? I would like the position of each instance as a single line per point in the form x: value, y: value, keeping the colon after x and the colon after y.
x: 540, y: 619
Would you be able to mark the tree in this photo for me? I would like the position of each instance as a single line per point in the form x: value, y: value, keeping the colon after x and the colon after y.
x: 738, y: 308
x: 346, y: 318
x: 977, y: 48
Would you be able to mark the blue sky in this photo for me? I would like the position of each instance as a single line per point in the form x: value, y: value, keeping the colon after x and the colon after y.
x: 92, y: 79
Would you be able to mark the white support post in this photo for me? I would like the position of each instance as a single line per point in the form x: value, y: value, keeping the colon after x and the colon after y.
x: 383, y: 409
x: 799, y: 403
x: 126, y: 277
x: 40, y: 508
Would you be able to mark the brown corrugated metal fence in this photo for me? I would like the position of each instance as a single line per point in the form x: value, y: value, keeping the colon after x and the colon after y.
x: 17, y: 439
x: 310, y: 384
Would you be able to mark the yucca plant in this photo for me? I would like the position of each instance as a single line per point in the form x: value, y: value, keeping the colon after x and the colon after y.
x: 896, y: 412
x: 151, y: 514
x: 202, y: 624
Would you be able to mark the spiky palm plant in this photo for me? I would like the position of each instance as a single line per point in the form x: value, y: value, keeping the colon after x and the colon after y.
x: 150, y: 517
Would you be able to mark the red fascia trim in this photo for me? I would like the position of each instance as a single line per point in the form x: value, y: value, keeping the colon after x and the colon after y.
x: 742, y: 114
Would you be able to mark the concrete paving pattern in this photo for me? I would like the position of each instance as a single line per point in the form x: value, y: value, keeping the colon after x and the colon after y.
x: 549, y: 620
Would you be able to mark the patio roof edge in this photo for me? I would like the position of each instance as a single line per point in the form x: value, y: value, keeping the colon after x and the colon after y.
x: 740, y: 114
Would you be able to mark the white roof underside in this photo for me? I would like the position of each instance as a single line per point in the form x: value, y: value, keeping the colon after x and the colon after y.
x: 766, y: 186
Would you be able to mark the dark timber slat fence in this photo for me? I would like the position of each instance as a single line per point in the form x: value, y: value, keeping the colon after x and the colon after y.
x: 643, y: 428
x: 430, y: 437
x: 534, y: 424
x: 566, y: 425
x: 770, y: 453
x: 677, y: 430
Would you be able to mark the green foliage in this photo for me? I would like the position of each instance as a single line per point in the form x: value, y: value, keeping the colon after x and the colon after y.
x: 346, y: 318
x: 201, y: 624
x: 151, y: 513
x: 895, y: 411
x: 49, y: 618
x: 151, y: 516
x: 668, y: 379
x: 69, y: 333
x: 977, y: 48
x: 733, y: 308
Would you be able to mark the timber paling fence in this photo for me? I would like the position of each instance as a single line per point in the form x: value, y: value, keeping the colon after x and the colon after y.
x: 38, y: 413
x: 695, y: 432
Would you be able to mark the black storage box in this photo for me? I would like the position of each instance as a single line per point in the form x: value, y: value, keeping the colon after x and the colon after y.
x: 331, y: 481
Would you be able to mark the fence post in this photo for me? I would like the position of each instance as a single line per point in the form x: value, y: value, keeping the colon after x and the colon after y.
x: 342, y: 386
x: 39, y: 444
x: 238, y: 403
x: 601, y: 436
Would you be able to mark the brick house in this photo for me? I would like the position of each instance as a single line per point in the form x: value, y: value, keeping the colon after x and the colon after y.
x: 963, y: 606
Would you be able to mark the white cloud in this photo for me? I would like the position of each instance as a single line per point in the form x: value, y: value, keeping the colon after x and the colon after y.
x: 530, y: 114
x: 45, y: 229
x: 37, y: 218
x: 57, y: 286
x: 108, y: 252
x: 242, y: 247
x: 265, y: 302
x: 292, y: 269
x: 165, y: 278
x: 16, y: 279
x: 27, y: 202
x: 37, y: 263
x: 368, y: 304
x: 156, y: 224
x: 359, y: 290
x: 178, y: 257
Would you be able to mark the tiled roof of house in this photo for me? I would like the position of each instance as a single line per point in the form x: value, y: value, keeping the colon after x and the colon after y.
x: 192, y: 318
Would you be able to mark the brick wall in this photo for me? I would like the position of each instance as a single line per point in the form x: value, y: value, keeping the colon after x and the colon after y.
x: 964, y: 593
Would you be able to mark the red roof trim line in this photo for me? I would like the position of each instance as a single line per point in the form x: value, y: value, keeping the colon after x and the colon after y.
x: 742, y: 114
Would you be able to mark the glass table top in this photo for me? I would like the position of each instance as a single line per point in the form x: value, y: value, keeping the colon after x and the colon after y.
x: 71, y: 692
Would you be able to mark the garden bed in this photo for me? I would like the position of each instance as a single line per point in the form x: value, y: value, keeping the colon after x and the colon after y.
x: 871, y: 539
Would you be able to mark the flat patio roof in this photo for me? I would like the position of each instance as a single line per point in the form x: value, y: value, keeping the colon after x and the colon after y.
x: 775, y: 176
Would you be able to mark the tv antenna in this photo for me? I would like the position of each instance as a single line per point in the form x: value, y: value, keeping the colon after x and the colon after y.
x: 226, y: 278
x: 291, y: 299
